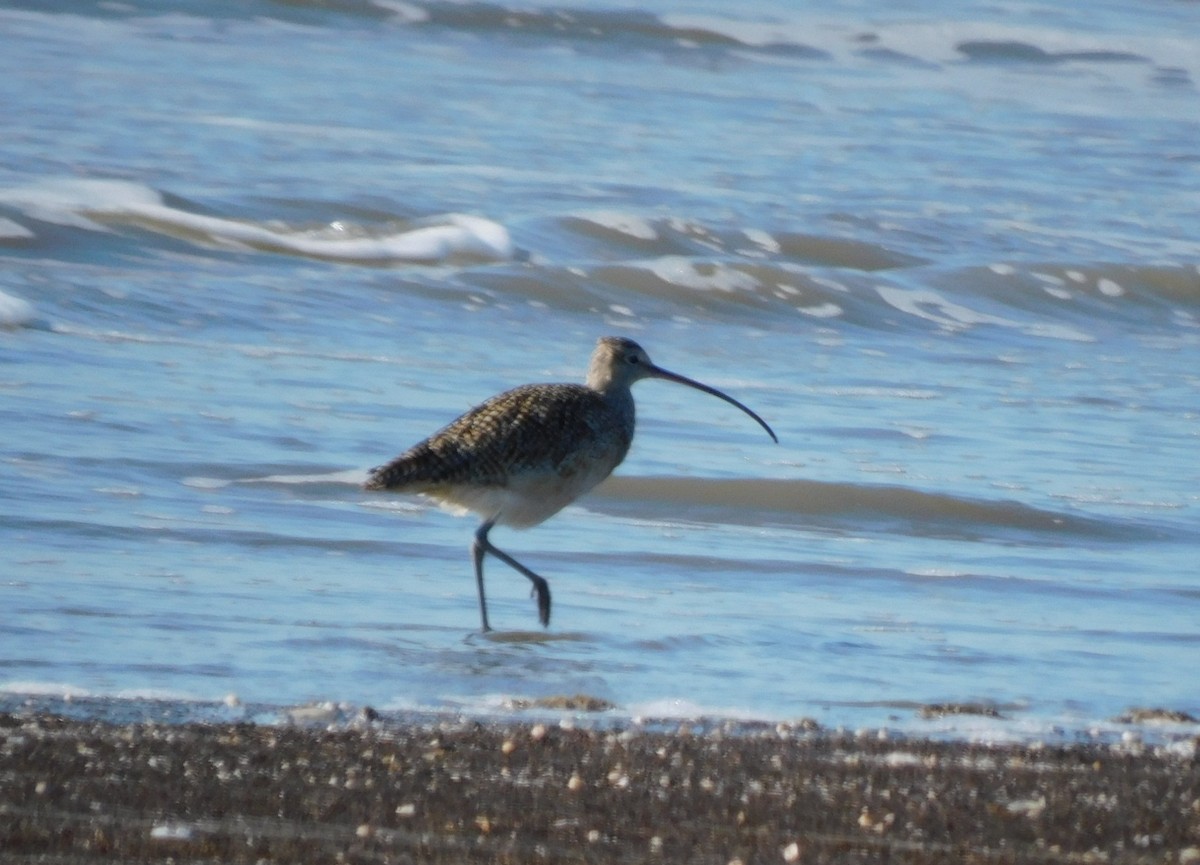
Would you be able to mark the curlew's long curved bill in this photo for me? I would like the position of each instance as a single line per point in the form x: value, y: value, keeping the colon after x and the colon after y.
x: 659, y: 372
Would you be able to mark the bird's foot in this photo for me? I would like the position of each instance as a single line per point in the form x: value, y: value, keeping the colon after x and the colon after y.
x: 541, y: 590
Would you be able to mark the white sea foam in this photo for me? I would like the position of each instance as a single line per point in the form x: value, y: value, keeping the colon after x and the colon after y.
x: 931, y: 306
x: 689, y: 273
x: 157, y: 695
x: 43, y: 689
x: 354, y: 477
x: 682, y: 709
x: 14, y: 312
x: 10, y: 230
x: 762, y: 238
x: 634, y: 226
x: 95, y: 203
x: 69, y: 201
x: 822, y: 310
x: 199, y: 483
x: 405, y: 13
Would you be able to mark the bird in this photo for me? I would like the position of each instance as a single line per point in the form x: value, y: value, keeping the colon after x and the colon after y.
x: 523, y: 455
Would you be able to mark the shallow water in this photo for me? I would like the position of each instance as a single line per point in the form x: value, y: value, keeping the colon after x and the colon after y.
x: 949, y: 253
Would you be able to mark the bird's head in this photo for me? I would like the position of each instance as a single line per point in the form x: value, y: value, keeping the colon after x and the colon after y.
x: 618, y: 362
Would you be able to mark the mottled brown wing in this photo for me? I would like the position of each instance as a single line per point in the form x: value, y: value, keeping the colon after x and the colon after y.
x: 533, y: 428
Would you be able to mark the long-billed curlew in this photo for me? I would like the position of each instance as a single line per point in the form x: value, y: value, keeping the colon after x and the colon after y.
x: 525, y: 454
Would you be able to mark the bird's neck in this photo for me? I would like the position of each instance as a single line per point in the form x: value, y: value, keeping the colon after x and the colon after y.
x: 619, y: 399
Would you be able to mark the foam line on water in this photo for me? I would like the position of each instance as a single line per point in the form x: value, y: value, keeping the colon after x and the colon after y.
x: 739, y: 500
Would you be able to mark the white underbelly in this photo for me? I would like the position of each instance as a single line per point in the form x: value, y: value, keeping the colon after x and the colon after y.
x: 526, y: 500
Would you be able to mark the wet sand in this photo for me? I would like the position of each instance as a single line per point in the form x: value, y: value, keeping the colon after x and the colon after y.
x: 462, y: 791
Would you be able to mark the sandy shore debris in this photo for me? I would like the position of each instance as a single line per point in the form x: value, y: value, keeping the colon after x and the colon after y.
x: 90, y: 792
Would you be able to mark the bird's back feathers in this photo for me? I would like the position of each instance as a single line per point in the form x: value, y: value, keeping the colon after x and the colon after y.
x: 533, y: 429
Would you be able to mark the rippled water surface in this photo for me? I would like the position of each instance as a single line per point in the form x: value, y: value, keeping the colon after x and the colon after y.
x: 250, y: 250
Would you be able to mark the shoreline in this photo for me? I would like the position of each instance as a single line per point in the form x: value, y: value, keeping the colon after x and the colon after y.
x: 454, y: 790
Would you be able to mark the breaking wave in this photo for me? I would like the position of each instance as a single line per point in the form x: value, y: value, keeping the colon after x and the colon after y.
x: 115, y: 205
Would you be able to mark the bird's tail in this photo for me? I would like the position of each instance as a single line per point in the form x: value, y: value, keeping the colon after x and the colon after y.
x: 414, y: 470
x: 395, y: 475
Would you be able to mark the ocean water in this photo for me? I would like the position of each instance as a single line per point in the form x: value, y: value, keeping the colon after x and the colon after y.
x: 950, y: 251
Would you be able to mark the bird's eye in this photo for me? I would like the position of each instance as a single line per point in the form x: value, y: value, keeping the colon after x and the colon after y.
x: 633, y: 358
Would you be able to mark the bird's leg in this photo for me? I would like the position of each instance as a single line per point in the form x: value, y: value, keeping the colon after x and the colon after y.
x: 540, y: 587
x: 478, y: 548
